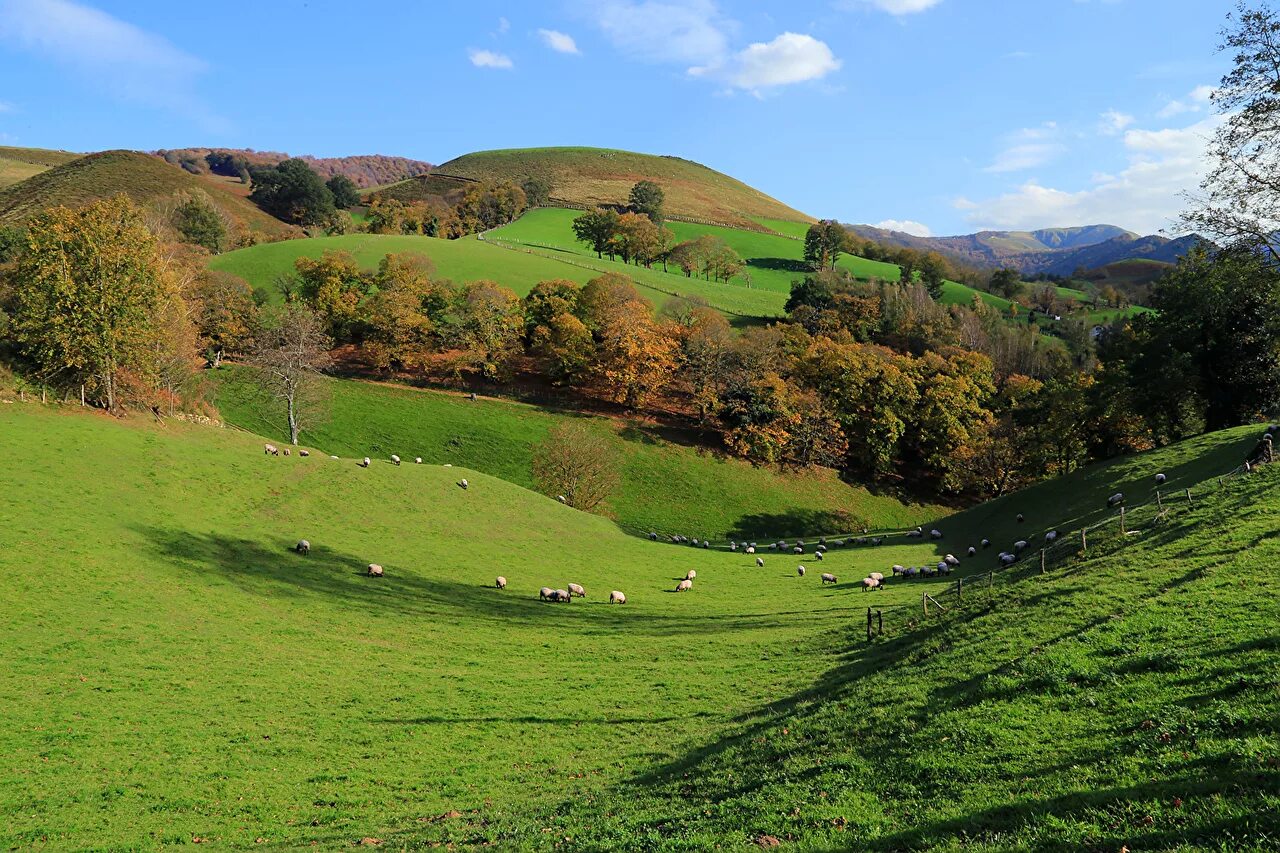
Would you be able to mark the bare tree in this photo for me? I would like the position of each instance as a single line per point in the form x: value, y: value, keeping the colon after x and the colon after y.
x: 577, y: 463
x: 1239, y: 200
x: 290, y: 354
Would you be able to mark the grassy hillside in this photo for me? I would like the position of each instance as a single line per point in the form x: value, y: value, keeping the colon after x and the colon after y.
x: 146, y: 179
x: 18, y: 164
x: 773, y: 261
x: 592, y: 176
x: 470, y: 259
x: 181, y: 676
x: 667, y: 485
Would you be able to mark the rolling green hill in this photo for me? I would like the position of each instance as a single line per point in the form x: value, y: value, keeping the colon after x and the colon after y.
x: 668, y: 483
x: 18, y: 164
x: 594, y: 176
x: 146, y: 179
x: 174, y: 674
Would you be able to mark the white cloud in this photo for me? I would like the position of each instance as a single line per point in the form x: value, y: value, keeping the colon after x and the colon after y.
x: 907, y: 226
x: 114, y: 55
x: 1028, y: 148
x: 690, y: 33
x: 1194, y: 102
x: 489, y: 59
x: 1113, y: 122
x: 1146, y: 196
x: 503, y: 26
x: 558, y: 41
x: 789, y: 58
x: 893, y: 7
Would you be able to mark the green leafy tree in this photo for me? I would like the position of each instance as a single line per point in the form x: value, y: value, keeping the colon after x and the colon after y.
x: 537, y: 191
x: 226, y: 315
x: 1005, y: 282
x: 596, y: 228
x: 345, y: 193
x: 291, y: 191
x: 200, y: 224
x: 823, y: 243
x: 933, y: 271
x: 647, y: 198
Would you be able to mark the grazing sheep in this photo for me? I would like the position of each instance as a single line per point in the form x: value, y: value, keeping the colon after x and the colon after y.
x: 286, y: 451
x: 861, y: 540
x: 797, y: 550
x: 1051, y: 536
x: 935, y: 534
x: 818, y: 554
x: 395, y: 460
x: 303, y: 547
x: 365, y: 463
x: 270, y: 450
x: 928, y: 571
x: 463, y: 484
x: 501, y: 582
x: 561, y: 595
x: 690, y: 575
x: 653, y: 537
x: 760, y: 562
x: 706, y: 543
x: 898, y: 570
x: 684, y: 586
x: 417, y: 460
x: 333, y: 457
x: 375, y: 571
x: 1007, y: 559
x: 827, y: 577
x: 867, y: 583
x: 616, y: 597
x: 1019, y: 546
x: 304, y: 452
x: 546, y: 593
x: 562, y: 499
x: 915, y: 534
x: 1115, y: 500
x: 733, y: 546
x: 1160, y: 478
x: 972, y: 550
x: 751, y: 549
x: 913, y: 572
x: 945, y: 568
x: 576, y: 589
x: 1020, y: 518
x: 986, y: 543
x: 877, y: 577
x: 839, y: 543
x: 821, y: 548
x: 950, y: 560
x: 800, y: 571
x: 876, y: 541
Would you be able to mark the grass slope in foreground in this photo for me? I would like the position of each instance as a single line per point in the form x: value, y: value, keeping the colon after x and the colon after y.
x: 666, y: 486
x: 470, y: 259
x: 144, y: 178
x: 182, y: 676
x: 594, y: 176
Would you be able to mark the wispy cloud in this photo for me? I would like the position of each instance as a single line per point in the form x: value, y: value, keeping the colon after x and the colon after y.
x: 1194, y: 102
x: 1113, y: 122
x: 1028, y: 148
x: 6, y: 107
x: 1146, y: 196
x: 503, y: 26
x: 490, y: 59
x: 124, y: 60
x: 558, y: 41
x: 789, y: 58
x: 906, y: 226
x: 893, y: 7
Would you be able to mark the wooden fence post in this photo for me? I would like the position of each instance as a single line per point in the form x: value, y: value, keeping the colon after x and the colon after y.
x: 868, y: 624
x: 1188, y: 496
x: 1159, y: 503
x: 1042, y: 550
x: 1084, y: 539
x: 879, y: 623
x: 1123, y: 532
x: 924, y: 602
x: 960, y: 590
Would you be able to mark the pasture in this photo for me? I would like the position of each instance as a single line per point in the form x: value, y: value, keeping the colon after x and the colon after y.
x: 175, y: 674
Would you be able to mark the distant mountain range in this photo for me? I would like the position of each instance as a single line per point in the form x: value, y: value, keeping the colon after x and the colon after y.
x: 1060, y: 251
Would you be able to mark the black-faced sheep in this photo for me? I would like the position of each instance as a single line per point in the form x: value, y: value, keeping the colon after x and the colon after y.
x: 1051, y: 536
x: 800, y: 571
x: 270, y: 450
x: 827, y: 577
x: 867, y: 583
x: 760, y: 562
x: 545, y: 593
x: 365, y: 462
x: 690, y: 575
x: 1160, y: 479
x: 1115, y: 500
x: 684, y: 586
x: 463, y: 484
x: 395, y: 460
x: 972, y: 550
x: 375, y: 571
x: 501, y: 582
x: 617, y: 597
x: 303, y: 547
x: 576, y: 589
x: 935, y: 534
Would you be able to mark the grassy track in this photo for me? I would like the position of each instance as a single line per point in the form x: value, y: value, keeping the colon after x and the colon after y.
x: 181, y: 676
x: 667, y: 486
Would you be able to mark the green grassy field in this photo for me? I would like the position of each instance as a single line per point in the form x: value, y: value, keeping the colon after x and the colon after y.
x: 667, y: 484
x: 175, y: 675
x: 146, y: 179
x: 18, y: 164
x: 592, y: 176
x: 471, y: 259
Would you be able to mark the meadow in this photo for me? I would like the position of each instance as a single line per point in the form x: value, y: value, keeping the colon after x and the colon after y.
x: 181, y: 676
x: 668, y: 482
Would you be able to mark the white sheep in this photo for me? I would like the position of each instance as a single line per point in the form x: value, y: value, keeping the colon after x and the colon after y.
x: 760, y: 562
x: 867, y: 583
x: 616, y: 597
x: 827, y: 577
x: 546, y: 593
x: 333, y: 457
x: 395, y: 460
x: 463, y: 484
x: 270, y: 450
x: 286, y: 451
x: 986, y: 543
x: 562, y: 499
x: 561, y: 595
x: 800, y: 571
x: 576, y: 589
x: 1051, y: 536
x: 799, y: 549
x: 375, y: 571
x: 935, y: 534
x: 501, y: 582
x: 733, y: 546
x: 304, y: 452
x: 821, y: 548
x: 877, y: 577
x: 417, y: 460
x: 898, y: 570
x: 303, y: 547
x: 690, y: 575
x: 751, y: 549
x: 684, y: 586
x: 1019, y: 546
x: 1160, y: 478
x: 951, y: 560
x: 1007, y: 559
x: 1116, y: 499
x: 972, y: 551
x: 818, y: 554
x: 365, y: 463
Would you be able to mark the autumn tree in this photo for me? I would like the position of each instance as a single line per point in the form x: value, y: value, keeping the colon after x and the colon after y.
x: 398, y: 317
x: 636, y: 238
x: 226, y: 315
x: 488, y: 327
x: 577, y: 463
x: 537, y: 191
x: 290, y: 353
x: 88, y: 288
x: 486, y: 206
x: 333, y: 286
x: 634, y: 355
x: 200, y: 224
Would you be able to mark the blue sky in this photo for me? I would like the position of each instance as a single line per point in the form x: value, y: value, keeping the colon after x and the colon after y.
x: 942, y: 116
